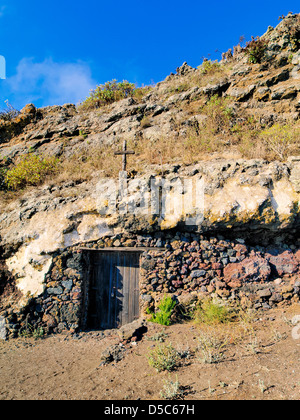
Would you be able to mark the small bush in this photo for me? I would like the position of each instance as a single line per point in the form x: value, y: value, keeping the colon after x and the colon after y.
x: 255, y: 50
x: 145, y: 122
x: 110, y: 92
x: 209, y: 67
x: 210, y: 313
x: 164, y: 357
x: 30, y: 331
x: 160, y: 337
x: 281, y: 140
x: 10, y: 113
x: 219, y: 114
x: 166, y: 307
x: 178, y: 88
x: 210, y: 348
x: 171, y: 390
x: 30, y: 170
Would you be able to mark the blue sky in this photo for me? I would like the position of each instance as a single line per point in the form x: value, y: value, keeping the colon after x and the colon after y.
x: 56, y: 51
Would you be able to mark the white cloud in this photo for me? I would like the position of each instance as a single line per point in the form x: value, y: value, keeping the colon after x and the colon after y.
x: 2, y: 10
x: 50, y: 82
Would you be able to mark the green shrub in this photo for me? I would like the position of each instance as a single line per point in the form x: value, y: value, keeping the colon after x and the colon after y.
x: 163, y: 315
x: 164, y: 357
x: 160, y: 337
x: 281, y: 140
x: 30, y: 170
x: 219, y: 114
x: 110, y: 92
x: 209, y: 67
x: 210, y: 313
x: 255, y: 50
x: 29, y: 331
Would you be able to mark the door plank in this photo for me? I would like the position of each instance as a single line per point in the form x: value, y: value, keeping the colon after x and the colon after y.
x: 126, y: 289
x: 114, y: 289
x: 136, y: 288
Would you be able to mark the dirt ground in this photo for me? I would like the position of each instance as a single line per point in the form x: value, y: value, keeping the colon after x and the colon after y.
x: 260, y: 361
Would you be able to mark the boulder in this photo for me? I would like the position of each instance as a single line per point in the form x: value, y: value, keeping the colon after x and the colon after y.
x: 253, y: 268
x: 264, y: 293
x: 184, y: 69
x: 113, y: 353
x: 284, y: 263
x: 134, y: 329
x: 241, y: 93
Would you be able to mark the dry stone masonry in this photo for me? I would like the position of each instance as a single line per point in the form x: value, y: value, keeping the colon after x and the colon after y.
x: 187, y: 266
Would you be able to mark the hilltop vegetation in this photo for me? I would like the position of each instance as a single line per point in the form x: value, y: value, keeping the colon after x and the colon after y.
x: 244, y: 106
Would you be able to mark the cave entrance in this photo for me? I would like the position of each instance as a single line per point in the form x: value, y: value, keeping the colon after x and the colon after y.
x: 113, y: 288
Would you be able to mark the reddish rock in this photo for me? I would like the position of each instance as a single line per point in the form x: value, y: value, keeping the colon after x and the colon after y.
x: 217, y: 266
x: 223, y: 292
x: 204, y: 266
x: 287, y: 288
x: 184, y: 270
x: 240, y: 249
x: 235, y: 284
x: 254, y: 268
x: 284, y: 263
x: 177, y: 283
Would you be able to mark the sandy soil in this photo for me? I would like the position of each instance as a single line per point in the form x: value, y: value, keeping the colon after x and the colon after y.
x: 261, y: 361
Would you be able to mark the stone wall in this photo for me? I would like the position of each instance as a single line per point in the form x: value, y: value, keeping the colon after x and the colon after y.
x: 224, y: 269
x: 186, y: 265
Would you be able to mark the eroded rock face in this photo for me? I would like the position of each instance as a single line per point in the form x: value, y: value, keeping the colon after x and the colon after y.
x: 247, y: 197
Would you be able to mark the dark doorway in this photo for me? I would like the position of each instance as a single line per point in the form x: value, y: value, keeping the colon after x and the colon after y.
x: 114, y: 289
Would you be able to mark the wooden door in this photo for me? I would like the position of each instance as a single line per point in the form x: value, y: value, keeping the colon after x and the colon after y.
x: 114, y: 289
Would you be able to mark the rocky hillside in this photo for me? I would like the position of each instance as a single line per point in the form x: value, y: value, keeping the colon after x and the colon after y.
x: 233, y: 124
x: 255, y: 94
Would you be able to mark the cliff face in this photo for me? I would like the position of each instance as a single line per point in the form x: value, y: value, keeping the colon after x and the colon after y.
x: 246, y: 199
x: 256, y: 200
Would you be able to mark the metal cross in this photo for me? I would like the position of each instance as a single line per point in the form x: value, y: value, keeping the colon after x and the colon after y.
x: 124, y: 154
